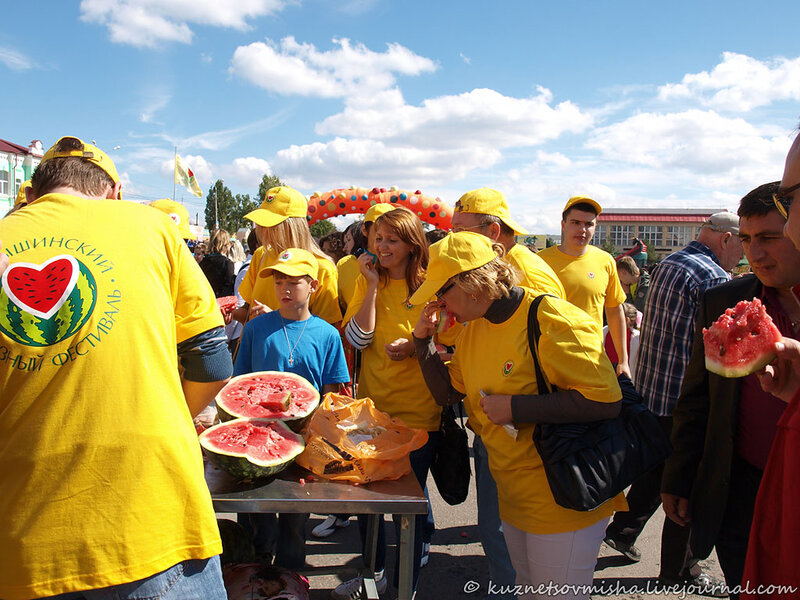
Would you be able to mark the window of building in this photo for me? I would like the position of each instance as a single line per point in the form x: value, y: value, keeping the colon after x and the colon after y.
x: 4, y: 177
x: 678, y: 236
x: 652, y: 234
x: 622, y: 235
x: 600, y: 235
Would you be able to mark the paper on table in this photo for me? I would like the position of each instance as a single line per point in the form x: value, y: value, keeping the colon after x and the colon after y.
x: 510, y: 429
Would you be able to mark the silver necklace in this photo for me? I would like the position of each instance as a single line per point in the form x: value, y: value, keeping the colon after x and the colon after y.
x: 297, y: 341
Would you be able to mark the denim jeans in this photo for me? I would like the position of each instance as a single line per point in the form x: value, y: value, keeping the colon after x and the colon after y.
x: 188, y: 580
x: 421, y: 460
x: 490, y: 528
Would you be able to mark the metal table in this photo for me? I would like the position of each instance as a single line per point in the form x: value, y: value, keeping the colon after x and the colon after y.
x: 286, y: 493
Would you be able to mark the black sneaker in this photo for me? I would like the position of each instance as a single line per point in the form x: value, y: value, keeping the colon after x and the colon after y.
x: 630, y: 551
x: 702, y: 584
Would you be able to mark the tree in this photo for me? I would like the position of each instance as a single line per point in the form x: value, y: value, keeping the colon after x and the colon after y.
x: 548, y: 241
x: 267, y: 182
x: 322, y: 228
x: 229, y: 208
x: 609, y: 247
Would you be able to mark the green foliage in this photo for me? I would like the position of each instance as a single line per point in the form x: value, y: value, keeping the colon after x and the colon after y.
x: 267, y: 182
x: 322, y: 228
x: 549, y: 242
x: 609, y: 247
x: 652, y: 255
x: 230, y: 209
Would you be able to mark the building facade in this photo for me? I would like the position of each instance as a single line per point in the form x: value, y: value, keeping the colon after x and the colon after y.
x: 663, y: 230
x: 17, y: 164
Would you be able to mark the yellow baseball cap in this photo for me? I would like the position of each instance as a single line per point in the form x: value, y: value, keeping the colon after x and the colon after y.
x: 486, y: 201
x: 91, y: 153
x: 178, y: 213
x: 453, y: 254
x: 376, y: 210
x: 294, y: 262
x: 279, y: 204
x: 583, y: 199
x: 22, y: 199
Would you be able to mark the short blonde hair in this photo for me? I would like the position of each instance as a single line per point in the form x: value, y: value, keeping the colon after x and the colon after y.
x: 627, y: 264
x: 219, y: 242
x: 292, y: 232
x: 494, y: 279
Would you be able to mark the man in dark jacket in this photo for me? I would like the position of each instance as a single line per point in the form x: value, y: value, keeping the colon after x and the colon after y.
x: 723, y: 428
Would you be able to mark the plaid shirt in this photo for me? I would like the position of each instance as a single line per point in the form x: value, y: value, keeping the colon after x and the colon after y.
x: 668, y: 324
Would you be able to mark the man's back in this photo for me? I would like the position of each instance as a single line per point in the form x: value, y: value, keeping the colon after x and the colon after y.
x: 669, y: 316
x: 103, y: 477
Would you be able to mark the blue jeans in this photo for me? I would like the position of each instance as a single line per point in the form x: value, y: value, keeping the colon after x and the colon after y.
x: 421, y: 460
x: 188, y: 580
x: 501, y: 571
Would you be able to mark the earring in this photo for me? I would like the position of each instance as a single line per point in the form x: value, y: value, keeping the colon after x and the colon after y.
x: 474, y: 299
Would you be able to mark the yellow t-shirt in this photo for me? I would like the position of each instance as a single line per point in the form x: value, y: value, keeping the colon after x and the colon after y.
x: 102, y: 475
x: 534, y: 272
x: 590, y: 281
x: 324, y: 302
x: 396, y: 387
x: 349, y: 271
x: 496, y: 359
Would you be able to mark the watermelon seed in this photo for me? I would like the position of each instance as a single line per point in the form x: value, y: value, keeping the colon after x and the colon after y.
x: 721, y: 350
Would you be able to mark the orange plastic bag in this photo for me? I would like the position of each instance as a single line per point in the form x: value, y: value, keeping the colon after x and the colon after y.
x: 351, y: 440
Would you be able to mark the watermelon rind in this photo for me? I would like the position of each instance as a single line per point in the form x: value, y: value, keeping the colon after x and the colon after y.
x: 291, y: 416
x: 734, y: 371
x: 242, y: 465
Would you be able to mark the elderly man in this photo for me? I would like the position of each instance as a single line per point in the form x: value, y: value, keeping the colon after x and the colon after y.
x: 486, y: 211
x: 110, y: 345
x: 589, y: 274
x: 665, y: 345
x: 723, y: 428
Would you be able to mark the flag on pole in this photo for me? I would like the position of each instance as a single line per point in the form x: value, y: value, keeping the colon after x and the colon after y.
x: 185, y: 177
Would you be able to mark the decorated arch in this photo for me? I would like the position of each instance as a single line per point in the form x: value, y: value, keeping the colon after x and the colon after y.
x: 354, y: 200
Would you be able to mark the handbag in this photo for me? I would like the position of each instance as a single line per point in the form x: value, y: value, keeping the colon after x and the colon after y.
x: 589, y: 463
x: 450, y: 467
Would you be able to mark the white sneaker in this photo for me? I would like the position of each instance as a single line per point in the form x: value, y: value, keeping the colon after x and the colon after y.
x: 328, y: 526
x: 351, y: 590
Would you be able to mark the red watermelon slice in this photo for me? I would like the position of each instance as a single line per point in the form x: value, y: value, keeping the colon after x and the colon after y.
x: 41, y: 289
x: 227, y: 304
x: 445, y: 322
x: 741, y: 341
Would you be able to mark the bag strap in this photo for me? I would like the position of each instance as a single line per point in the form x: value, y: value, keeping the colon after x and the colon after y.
x: 534, y: 333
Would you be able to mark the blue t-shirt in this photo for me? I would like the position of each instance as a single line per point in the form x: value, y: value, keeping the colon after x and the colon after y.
x: 317, y: 351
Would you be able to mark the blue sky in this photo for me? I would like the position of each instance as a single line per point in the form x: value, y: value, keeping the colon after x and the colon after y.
x: 690, y: 104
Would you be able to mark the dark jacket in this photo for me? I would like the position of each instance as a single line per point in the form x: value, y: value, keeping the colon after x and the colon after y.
x: 705, y: 423
x: 219, y: 272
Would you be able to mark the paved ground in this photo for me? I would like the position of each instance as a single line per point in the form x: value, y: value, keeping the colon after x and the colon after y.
x: 457, y: 558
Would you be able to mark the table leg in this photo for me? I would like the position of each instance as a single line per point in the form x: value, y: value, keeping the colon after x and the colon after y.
x: 370, y: 550
x: 406, y: 575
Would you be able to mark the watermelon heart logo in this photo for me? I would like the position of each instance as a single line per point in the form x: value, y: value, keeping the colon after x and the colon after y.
x: 41, y: 289
x: 43, y: 304
x: 175, y: 217
x: 507, y: 368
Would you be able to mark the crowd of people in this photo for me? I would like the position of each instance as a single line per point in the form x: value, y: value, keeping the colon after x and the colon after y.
x: 113, y: 347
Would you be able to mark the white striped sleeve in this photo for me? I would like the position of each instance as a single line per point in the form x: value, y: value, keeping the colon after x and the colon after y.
x: 358, y: 338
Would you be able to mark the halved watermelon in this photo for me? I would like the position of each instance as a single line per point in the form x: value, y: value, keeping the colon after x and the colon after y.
x: 741, y: 341
x: 250, y: 448
x: 268, y: 395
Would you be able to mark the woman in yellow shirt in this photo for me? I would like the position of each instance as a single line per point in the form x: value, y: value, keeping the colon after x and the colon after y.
x: 379, y: 321
x: 280, y: 223
x: 493, y: 371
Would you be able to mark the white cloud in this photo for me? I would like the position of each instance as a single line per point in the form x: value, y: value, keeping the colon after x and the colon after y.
x: 148, y: 23
x: 481, y: 117
x: 224, y: 138
x: 156, y: 102
x: 465, y: 58
x: 372, y: 163
x: 291, y: 68
x: 15, y: 60
x: 739, y: 83
x: 248, y: 171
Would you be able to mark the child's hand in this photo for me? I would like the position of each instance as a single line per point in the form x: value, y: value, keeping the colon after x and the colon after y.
x: 257, y: 309
x: 400, y: 349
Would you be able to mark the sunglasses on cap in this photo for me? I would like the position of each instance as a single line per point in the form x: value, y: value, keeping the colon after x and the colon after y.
x: 783, y: 201
x: 444, y: 290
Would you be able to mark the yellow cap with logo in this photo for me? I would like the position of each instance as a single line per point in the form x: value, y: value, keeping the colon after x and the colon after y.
x: 376, y: 210
x: 294, y: 262
x: 88, y: 152
x: 179, y: 215
x: 486, y: 201
x: 279, y: 204
x: 453, y: 254
x: 22, y: 199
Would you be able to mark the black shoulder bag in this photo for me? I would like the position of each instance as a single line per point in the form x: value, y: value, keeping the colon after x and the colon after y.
x: 589, y: 463
x: 450, y: 467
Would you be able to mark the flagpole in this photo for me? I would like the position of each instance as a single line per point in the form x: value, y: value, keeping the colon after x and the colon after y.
x: 175, y: 174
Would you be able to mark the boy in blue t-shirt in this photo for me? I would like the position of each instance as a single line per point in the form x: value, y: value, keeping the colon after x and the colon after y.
x: 290, y: 339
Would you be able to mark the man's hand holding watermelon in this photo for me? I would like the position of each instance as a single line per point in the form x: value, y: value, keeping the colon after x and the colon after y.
x: 781, y: 378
